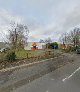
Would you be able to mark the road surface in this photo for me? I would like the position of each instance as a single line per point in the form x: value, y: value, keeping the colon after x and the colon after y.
x: 64, y: 79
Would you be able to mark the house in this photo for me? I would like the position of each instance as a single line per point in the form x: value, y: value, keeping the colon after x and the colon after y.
x: 35, y: 46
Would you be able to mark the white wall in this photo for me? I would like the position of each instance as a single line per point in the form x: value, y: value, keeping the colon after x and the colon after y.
x: 29, y: 46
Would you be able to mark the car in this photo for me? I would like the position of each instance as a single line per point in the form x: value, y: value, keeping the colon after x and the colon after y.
x: 78, y: 50
x: 3, y: 49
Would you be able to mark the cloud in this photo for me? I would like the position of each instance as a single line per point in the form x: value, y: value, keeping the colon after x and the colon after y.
x: 73, y: 19
x: 44, y: 18
x: 5, y: 19
x: 43, y: 32
x: 62, y: 16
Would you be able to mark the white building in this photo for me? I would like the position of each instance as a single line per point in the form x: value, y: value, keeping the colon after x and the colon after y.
x: 35, y: 46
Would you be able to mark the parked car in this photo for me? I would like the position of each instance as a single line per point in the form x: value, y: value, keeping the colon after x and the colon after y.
x: 78, y: 50
x: 3, y: 49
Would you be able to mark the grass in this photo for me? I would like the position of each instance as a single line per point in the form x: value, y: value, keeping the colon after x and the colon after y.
x: 2, y: 57
x: 22, y: 54
x: 22, y: 58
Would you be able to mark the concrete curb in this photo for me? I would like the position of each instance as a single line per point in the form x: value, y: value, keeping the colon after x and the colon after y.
x: 25, y: 65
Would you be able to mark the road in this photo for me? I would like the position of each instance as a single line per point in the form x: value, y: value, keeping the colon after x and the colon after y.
x: 64, y: 79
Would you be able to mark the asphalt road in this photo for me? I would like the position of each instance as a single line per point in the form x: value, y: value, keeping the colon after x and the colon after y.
x: 64, y: 79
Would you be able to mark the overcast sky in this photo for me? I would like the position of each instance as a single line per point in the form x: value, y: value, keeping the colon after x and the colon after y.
x: 44, y: 18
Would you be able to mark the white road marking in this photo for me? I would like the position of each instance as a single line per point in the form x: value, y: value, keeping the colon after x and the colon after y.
x: 68, y: 77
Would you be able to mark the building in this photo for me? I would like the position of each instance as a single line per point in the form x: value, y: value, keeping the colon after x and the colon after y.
x: 35, y: 46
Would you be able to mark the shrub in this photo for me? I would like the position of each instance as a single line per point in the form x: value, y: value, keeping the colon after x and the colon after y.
x: 11, y: 56
x: 73, y: 49
x: 67, y: 50
x: 54, y: 45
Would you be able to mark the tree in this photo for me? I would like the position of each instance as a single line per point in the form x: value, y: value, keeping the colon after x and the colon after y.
x: 18, y: 35
x: 48, y: 41
x: 73, y: 37
x: 54, y: 45
x: 64, y: 38
x: 42, y: 41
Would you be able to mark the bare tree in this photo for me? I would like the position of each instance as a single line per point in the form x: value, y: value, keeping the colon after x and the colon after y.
x: 18, y: 35
x: 42, y: 41
x: 73, y: 37
x: 64, y: 38
x: 48, y: 41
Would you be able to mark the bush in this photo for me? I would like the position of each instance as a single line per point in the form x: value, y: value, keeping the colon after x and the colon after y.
x: 11, y: 56
x: 54, y: 45
x: 67, y: 50
x: 73, y: 49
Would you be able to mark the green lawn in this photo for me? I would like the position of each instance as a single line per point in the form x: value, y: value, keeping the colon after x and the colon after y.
x: 2, y: 57
x: 21, y: 57
x: 22, y: 54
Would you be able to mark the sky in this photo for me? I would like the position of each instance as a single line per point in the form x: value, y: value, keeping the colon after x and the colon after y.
x: 44, y: 18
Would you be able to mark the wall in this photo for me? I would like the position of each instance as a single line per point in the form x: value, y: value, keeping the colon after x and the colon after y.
x: 29, y: 46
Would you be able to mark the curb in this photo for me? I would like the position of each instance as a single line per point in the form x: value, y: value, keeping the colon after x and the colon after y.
x: 27, y: 65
